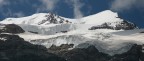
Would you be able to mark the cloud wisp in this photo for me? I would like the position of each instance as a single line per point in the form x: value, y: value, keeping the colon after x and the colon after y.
x: 9, y: 13
x: 50, y: 5
x: 44, y: 6
x: 122, y: 5
x: 77, y: 9
x: 19, y: 14
x: 3, y: 2
x: 76, y: 5
x: 47, y: 5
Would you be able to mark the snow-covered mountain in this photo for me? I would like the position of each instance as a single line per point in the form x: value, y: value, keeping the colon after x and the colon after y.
x: 37, y: 19
x: 45, y: 18
x: 106, y: 16
x: 103, y: 30
x: 48, y: 23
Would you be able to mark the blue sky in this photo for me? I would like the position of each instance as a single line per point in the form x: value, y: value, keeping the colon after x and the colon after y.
x: 132, y: 10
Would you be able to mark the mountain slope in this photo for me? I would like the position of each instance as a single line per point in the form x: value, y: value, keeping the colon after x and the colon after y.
x: 36, y: 19
x: 47, y: 29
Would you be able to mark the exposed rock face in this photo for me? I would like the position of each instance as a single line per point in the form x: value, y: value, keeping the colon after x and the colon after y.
x: 61, y: 47
x: 14, y: 48
x: 85, y: 54
x: 33, y: 32
x: 92, y: 54
x: 142, y: 32
x: 58, y: 49
x: 118, y: 26
x: 134, y: 54
x: 53, y: 18
x: 10, y: 28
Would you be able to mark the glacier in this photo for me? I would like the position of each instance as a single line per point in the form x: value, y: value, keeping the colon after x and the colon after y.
x: 52, y: 29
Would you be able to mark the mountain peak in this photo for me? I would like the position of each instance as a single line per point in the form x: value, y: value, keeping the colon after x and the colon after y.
x: 37, y: 19
x: 102, y: 17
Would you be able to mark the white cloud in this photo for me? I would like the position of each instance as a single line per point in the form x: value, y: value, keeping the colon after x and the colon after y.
x: 48, y: 5
x: 9, y: 13
x: 77, y: 5
x: 77, y: 9
x: 121, y: 5
x: 3, y: 2
x: 18, y: 14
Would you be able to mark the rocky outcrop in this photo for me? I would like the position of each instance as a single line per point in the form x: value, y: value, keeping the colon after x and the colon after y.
x: 61, y: 47
x: 85, y: 54
x: 58, y: 49
x: 142, y: 32
x: 54, y: 19
x: 91, y: 53
x: 134, y: 54
x: 11, y: 28
x: 117, y: 26
x: 33, y: 32
x: 14, y: 48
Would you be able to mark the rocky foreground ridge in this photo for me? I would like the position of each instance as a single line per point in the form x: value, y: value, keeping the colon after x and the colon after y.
x: 14, y: 48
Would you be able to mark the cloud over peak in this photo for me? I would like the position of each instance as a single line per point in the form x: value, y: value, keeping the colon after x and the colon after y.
x: 3, y: 2
x: 48, y: 5
x: 76, y: 5
x: 121, y: 5
x: 77, y: 9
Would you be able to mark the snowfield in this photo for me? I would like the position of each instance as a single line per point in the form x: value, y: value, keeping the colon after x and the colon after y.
x: 40, y: 30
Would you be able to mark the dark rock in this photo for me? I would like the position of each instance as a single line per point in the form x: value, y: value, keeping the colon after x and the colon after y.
x: 142, y: 32
x: 14, y: 48
x: 33, y: 32
x: 142, y: 54
x: 85, y: 54
x: 125, y: 25
x: 53, y: 18
x: 122, y: 25
x: 61, y: 47
x: 103, y: 26
x: 11, y: 28
x: 132, y: 55
x: 91, y: 53
x: 64, y: 31
x: 58, y: 49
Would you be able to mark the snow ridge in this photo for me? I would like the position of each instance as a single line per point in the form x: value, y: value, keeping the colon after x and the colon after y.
x: 102, y: 17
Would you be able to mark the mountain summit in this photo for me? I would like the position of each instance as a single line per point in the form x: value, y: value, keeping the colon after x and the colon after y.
x: 36, y: 19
